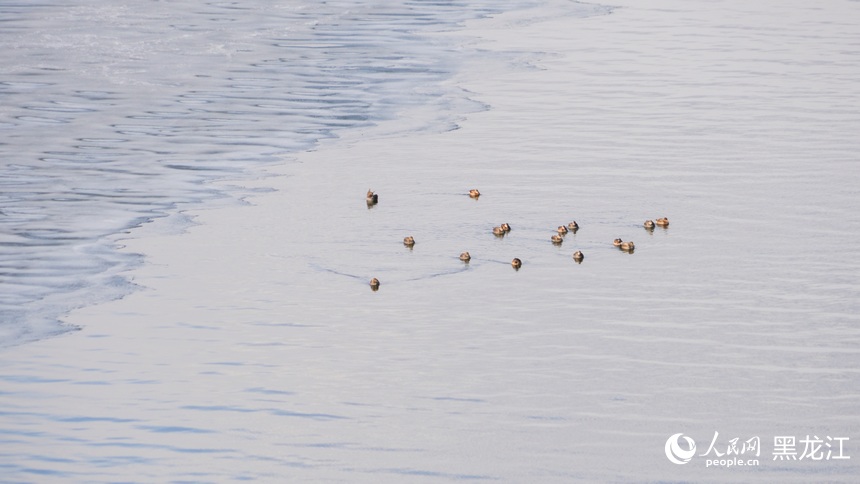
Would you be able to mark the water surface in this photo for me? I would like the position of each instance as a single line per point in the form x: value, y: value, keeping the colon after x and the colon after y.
x: 113, y: 115
x: 258, y: 350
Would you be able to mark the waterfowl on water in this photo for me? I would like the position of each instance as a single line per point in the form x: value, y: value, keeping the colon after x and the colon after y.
x: 516, y: 263
x: 465, y: 257
x: 372, y: 198
x: 617, y: 242
x: 577, y: 256
x: 573, y: 226
x: 561, y: 230
x: 649, y: 224
x: 474, y: 193
x: 662, y: 222
x: 505, y: 227
x: 557, y: 239
x: 499, y: 231
x: 628, y: 246
x: 374, y: 283
x: 408, y: 241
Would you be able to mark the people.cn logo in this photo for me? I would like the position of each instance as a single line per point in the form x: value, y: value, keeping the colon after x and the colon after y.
x: 674, y: 451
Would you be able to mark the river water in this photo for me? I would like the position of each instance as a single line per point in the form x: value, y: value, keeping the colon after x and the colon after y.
x: 116, y: 114
x: 253, y: 348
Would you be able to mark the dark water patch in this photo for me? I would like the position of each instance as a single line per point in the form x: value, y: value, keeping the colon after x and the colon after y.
x: 434, y: 474
x: 42, y: 120
x: 172, y: 448
x: 174, y: 429
x: 268, y: 391
x: 32, y: 379
x: 58, y: 109
x: 88, y: 419
x: 458, y: 399
x: 284, y: 325
x: 41, y: 472
x: 271, y: 411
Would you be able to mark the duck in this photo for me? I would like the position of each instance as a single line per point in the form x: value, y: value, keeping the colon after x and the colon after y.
x: 561, y: 229
x: 374, y: 284
x: 372, y: 198
x: 499, y: 231
x: 465, y: 257
x: 408, y: 241
x: 649, y: 224
x: 662, y: 222
x: 577, y: 256
x: 505, y: 227
x: 628, y: 246
x: 617, y: 242
x: 474, y: 193
x: 573, y: 226
x: 557, y: 239
x: 516, y: 263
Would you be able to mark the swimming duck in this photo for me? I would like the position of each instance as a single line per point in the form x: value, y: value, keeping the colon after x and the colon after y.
x: 516, y: 263
x: 557, y: 239
x: 474, y: 193
x: 372, y: 198
x: 617, y: 242
x: 573, y: 226
x: 561, y: 229
x: 408, y: 241
x: 465, y: 257
x: 662, y: 222
x: 505, y: 227
x: 374, y: 284
x: 499, y: 231
x: 628, y: 246
x: 649, y: 224
x: 577, y: 256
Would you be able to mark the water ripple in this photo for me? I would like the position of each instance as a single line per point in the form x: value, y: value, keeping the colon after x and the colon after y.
x: 113, y: 117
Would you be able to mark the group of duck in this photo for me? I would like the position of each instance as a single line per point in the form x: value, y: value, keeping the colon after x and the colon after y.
x: 503, y: 229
